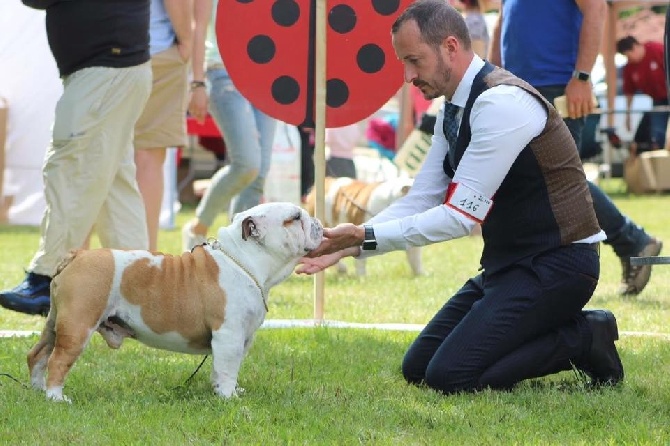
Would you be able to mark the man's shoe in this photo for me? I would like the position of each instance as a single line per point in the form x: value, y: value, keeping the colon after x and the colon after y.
x: 635, y: 278
x: 602, y: 363
x: 31, y: 296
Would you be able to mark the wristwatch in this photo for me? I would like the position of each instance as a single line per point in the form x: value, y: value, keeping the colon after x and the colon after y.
x: 197, y: 84
x: 581, y: 75
x: 369, y: 240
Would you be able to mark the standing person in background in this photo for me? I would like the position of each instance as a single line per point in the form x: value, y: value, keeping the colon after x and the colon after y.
x: 247, y: 132
x: 89, y: 171
x: 645, y: 72
x: 163, y: 121
x: 341, y: 142
x: 553, y: 46
x: 473, y: 13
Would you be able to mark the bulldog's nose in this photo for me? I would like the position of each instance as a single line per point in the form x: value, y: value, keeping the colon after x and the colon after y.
x: 317, y: 229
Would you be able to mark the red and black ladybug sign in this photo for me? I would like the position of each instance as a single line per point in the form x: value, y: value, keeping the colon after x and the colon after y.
x: 268, y: 49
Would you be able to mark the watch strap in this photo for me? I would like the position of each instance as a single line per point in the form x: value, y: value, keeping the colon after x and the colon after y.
x: 369, y: 239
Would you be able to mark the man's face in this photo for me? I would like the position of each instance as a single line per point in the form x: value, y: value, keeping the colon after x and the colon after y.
x: 635, y: 54
x: 424, y: 66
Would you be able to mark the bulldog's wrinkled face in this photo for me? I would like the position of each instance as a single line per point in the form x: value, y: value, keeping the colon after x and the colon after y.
x: 280, y: 227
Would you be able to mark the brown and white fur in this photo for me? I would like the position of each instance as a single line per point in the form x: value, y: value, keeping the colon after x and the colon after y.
x: 347, y: 200
x: 210, y: 300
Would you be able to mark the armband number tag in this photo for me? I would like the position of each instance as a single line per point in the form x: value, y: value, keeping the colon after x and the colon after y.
x: 469, y: 202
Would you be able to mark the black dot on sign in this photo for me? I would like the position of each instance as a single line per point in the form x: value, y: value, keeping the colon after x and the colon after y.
x: 342, y: 19
x: 261, y: 49
x: 386, y: 7
x: 244, y: 1
x: 337, y: 93
x: 285, y: 12
x: 285, y: 90
x: 370, y: 58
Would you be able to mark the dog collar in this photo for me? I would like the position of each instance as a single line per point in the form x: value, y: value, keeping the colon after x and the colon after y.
x: 215, y: 244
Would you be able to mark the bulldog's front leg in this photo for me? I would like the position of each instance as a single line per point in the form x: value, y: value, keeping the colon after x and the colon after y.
x: 414, y: 259
x: 227, y: 355
x: 360, y: 267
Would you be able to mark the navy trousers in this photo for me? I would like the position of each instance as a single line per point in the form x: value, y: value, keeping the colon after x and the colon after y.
x: 521, y: 322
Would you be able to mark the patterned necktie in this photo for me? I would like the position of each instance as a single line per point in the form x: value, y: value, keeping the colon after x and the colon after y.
x: 450, y: 127
x: 450, y: 123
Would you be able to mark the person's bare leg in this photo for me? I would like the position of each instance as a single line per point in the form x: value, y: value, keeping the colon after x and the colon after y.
x: 150, y: 180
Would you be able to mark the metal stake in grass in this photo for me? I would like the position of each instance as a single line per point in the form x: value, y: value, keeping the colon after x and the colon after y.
x: 653, y: 260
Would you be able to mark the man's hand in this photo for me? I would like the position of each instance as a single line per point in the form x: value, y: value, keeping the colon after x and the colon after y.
x: 198, y: 104
x: 340, y: 237
x: 308, y: 265
x: 579, y: 97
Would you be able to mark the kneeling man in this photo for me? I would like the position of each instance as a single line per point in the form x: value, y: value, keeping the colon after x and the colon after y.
x: 500, y: 156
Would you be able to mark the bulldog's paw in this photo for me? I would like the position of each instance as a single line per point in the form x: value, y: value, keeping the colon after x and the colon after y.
x: 341, y: 268
x: 56, y: 394
x: 227, y: 389
x: 38, y: 383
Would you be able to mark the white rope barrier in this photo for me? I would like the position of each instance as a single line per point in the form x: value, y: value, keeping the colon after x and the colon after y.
x: 314, y: 323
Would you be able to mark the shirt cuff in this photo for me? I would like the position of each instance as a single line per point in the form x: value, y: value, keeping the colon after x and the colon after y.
x: 389, y: 238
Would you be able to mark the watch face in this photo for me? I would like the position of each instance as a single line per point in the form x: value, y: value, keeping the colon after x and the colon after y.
x: 582, y: 76
x: 369, y: 245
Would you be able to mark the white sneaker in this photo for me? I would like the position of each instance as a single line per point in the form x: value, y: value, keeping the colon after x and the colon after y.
x: 189, y: 239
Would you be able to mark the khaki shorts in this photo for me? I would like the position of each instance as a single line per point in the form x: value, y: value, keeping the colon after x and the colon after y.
x: 163, y: 121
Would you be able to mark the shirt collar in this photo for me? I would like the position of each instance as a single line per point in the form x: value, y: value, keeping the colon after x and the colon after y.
x: 462, y: 92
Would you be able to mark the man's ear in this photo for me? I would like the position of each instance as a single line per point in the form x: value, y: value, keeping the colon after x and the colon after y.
x: 450, y: 45
x: 249, y: 228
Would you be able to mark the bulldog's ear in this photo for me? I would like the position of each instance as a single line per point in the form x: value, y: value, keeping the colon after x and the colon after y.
x: 249, y: 228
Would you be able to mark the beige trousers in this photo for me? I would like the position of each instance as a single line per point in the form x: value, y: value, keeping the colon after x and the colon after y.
x: 89, y: 170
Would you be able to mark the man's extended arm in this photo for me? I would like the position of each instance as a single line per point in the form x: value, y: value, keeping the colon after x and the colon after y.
x: 202, y: 12
x: 181, y: 17
x: 579, y: 93
x: 591, y: 33
x: 494, y: 51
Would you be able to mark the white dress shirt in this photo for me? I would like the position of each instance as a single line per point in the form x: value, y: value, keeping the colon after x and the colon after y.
x: 503, y: 119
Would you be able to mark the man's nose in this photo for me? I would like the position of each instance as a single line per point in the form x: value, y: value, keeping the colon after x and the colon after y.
x: 409, y: 73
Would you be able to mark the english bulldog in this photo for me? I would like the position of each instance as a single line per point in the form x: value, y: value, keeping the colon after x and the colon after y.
x: 348, y: 200
x: 207, y: 301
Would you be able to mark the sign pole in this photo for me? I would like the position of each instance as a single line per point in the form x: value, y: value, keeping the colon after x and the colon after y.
x: 319, y: 141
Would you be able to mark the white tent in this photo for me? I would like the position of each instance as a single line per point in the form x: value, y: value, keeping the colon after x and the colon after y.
x: 30, y: 86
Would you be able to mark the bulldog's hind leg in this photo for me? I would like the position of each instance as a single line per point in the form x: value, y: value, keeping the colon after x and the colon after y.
x: 228, y: 347
x: 70, y: 343
x: 39, y: 354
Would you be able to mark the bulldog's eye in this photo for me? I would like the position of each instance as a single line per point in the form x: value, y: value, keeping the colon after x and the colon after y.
x: 293, y: 219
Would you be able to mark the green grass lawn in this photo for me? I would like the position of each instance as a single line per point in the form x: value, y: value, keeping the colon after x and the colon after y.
x: 343, y: 386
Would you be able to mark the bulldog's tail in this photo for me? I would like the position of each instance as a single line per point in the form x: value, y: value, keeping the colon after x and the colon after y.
x: 65, y: 261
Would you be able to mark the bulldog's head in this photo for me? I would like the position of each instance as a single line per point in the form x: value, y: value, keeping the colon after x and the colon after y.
x: 284, y: 229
